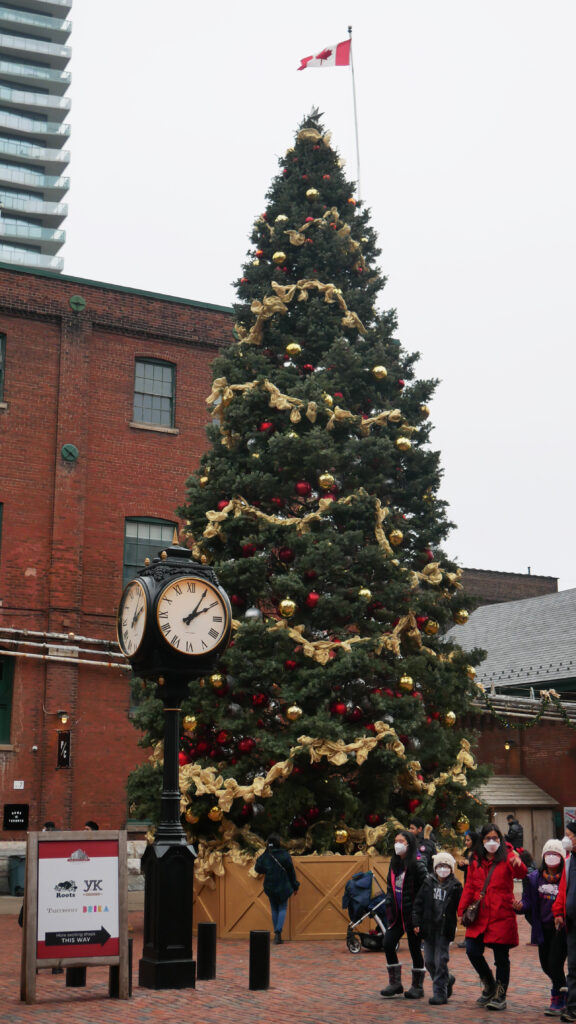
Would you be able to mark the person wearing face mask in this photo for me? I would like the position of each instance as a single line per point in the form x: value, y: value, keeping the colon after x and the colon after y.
x: 405, y: 876
x: 492, y: 869
x: 434, y: 918
x: 540, y: 890
x: 564, y: 913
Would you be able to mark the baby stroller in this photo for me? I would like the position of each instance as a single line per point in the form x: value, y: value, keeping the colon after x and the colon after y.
x: 360, y: 904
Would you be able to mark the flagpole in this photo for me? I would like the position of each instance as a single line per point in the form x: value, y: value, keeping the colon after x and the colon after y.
x: 355, y: 113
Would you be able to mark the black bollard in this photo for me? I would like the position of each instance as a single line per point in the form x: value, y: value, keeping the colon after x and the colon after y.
x: 206, y: 951
x: 259, y: 960
x: 75, y: 977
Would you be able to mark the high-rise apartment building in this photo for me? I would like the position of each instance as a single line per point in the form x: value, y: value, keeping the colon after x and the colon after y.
x: 33, y: 131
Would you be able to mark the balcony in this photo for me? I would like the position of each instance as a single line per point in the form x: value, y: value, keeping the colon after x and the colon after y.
x: 25, y: 74
x: 53, y: 8
x: 12, y: 123
x: 55, y: 106
x: 51, y: 53
x: 52, y: 188
x: 24, y: 258
x: 51, y: 214
x: 53, y: 161
x: 54, y: 30
x: 50, y: 241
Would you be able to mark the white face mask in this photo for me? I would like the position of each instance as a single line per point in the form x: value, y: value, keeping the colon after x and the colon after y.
x: 567, y: 842
x: 400, y: 849
x: 443, y: 872
x: 491, y: 845
x: 552, y: 860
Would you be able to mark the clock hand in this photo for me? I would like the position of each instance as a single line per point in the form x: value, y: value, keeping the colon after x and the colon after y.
x: 137, y: 615
x: 188, y: 618
x: 206, y: 609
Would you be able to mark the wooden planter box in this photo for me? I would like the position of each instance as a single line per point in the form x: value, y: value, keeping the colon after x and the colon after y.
x: 238, y: 905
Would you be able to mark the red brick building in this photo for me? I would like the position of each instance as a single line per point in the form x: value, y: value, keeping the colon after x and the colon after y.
x: 102, y: 416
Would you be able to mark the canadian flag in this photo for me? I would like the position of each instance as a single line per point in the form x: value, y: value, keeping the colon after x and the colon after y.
x: 337, y: 55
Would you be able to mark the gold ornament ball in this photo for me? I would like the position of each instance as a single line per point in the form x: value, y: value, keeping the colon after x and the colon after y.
x: 329, y: 401
x: 256, y: 263
x: 255, y: 455
x: 292, y: 434
x: 279, y: 258
x: 463, y: 824
x: 215, y: 814
x: 203, y: 481
x: 379, y: 372
x: 403, y: 444
x: 471, y: 672
x: 450, y: 719
x: 365, y: 594
x: 281, y: 218
x: 287, y: 607
x: 294, y: 713
x: 406, y: 683
x: 293, y: 349
x: 312, y: 194
x: 216, y: 680
x: 326, y: 481
x: 461, y: 616
x: 189, y: 723
x: 191, y: 818
x: 395, y: 537
x: 341, y: 835
x: 431, y: 627
x: 424, y: 412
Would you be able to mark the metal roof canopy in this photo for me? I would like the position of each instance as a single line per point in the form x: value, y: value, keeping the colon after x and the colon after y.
x: 514, y: 791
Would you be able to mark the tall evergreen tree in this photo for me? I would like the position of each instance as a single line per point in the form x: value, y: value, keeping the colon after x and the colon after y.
x: 339, y: 705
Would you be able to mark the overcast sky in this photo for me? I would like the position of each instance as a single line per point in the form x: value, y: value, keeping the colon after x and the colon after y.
x: 468, y: 163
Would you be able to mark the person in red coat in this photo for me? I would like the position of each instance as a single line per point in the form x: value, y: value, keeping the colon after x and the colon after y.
x: 495, y: 925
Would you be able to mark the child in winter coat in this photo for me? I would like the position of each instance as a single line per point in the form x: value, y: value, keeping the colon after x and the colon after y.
x: 539, y: 891
x: 434, y: 917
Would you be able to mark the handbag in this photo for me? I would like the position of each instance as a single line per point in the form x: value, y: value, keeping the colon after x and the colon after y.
x: 473, y: 909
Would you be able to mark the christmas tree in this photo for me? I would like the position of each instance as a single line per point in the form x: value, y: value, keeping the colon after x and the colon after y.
x: 338, y: 708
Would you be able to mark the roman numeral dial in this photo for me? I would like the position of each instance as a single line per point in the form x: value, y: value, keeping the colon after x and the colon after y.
x: 193, y: 616
x: 132, y: 618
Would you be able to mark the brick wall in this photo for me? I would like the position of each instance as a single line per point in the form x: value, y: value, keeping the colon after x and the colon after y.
x: 70, y: 379
x: 491, y: 587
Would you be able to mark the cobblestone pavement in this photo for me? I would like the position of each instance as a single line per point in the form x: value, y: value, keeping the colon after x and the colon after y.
x: 310, y: 983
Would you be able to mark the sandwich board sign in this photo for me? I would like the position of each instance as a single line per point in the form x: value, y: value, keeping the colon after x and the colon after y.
x: 75, y: 904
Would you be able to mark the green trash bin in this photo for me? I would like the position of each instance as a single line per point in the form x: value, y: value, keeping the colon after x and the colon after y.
x: 16, y: 875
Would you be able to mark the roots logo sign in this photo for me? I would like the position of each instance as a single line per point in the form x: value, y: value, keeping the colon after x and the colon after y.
x: 65, y: 890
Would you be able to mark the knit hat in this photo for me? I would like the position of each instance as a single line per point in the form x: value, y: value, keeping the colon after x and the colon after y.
x: 553, y: 846
x: 443, y: 858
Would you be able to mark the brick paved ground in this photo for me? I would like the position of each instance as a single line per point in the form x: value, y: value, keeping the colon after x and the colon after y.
x: 310, y: 983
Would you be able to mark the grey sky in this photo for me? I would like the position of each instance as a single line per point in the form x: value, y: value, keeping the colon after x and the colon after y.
x: 468, y: 163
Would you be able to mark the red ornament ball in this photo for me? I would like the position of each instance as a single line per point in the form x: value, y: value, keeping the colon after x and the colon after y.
x: 246, y: 745
x: 303, y: 489
x: 290, y: 665
x: 312, y: 599
x: 308, y: 368
x: 248, y: 550
x: 238, y: 601
x: 309, y: 220
x: 222, y: 504
x: 339, y: 708
x: 277, y: 502
x: 183, y: 758
x: 266, y: 425
x: 401, y: 383
x: 286, y: 555
x: 310, y: 574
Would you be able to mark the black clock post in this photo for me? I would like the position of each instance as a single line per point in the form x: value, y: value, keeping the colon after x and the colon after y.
x: 174, y: 621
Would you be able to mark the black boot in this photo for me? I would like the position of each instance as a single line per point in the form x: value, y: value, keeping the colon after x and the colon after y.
x: 416, y: 990
x: 498, y: 1001
x: 451, y: 983
x: 488, y: 990
x: 394, y: 986
x: 278, y: 940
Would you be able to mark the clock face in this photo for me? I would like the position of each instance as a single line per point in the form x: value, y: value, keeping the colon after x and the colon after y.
x: 193, y: 616
x: 132, y: 617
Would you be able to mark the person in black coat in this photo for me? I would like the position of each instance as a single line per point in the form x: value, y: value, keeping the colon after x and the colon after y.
x: 515, y: 833
x: 434, y: 917
x: 280, y: 881
x: 405, y: 876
